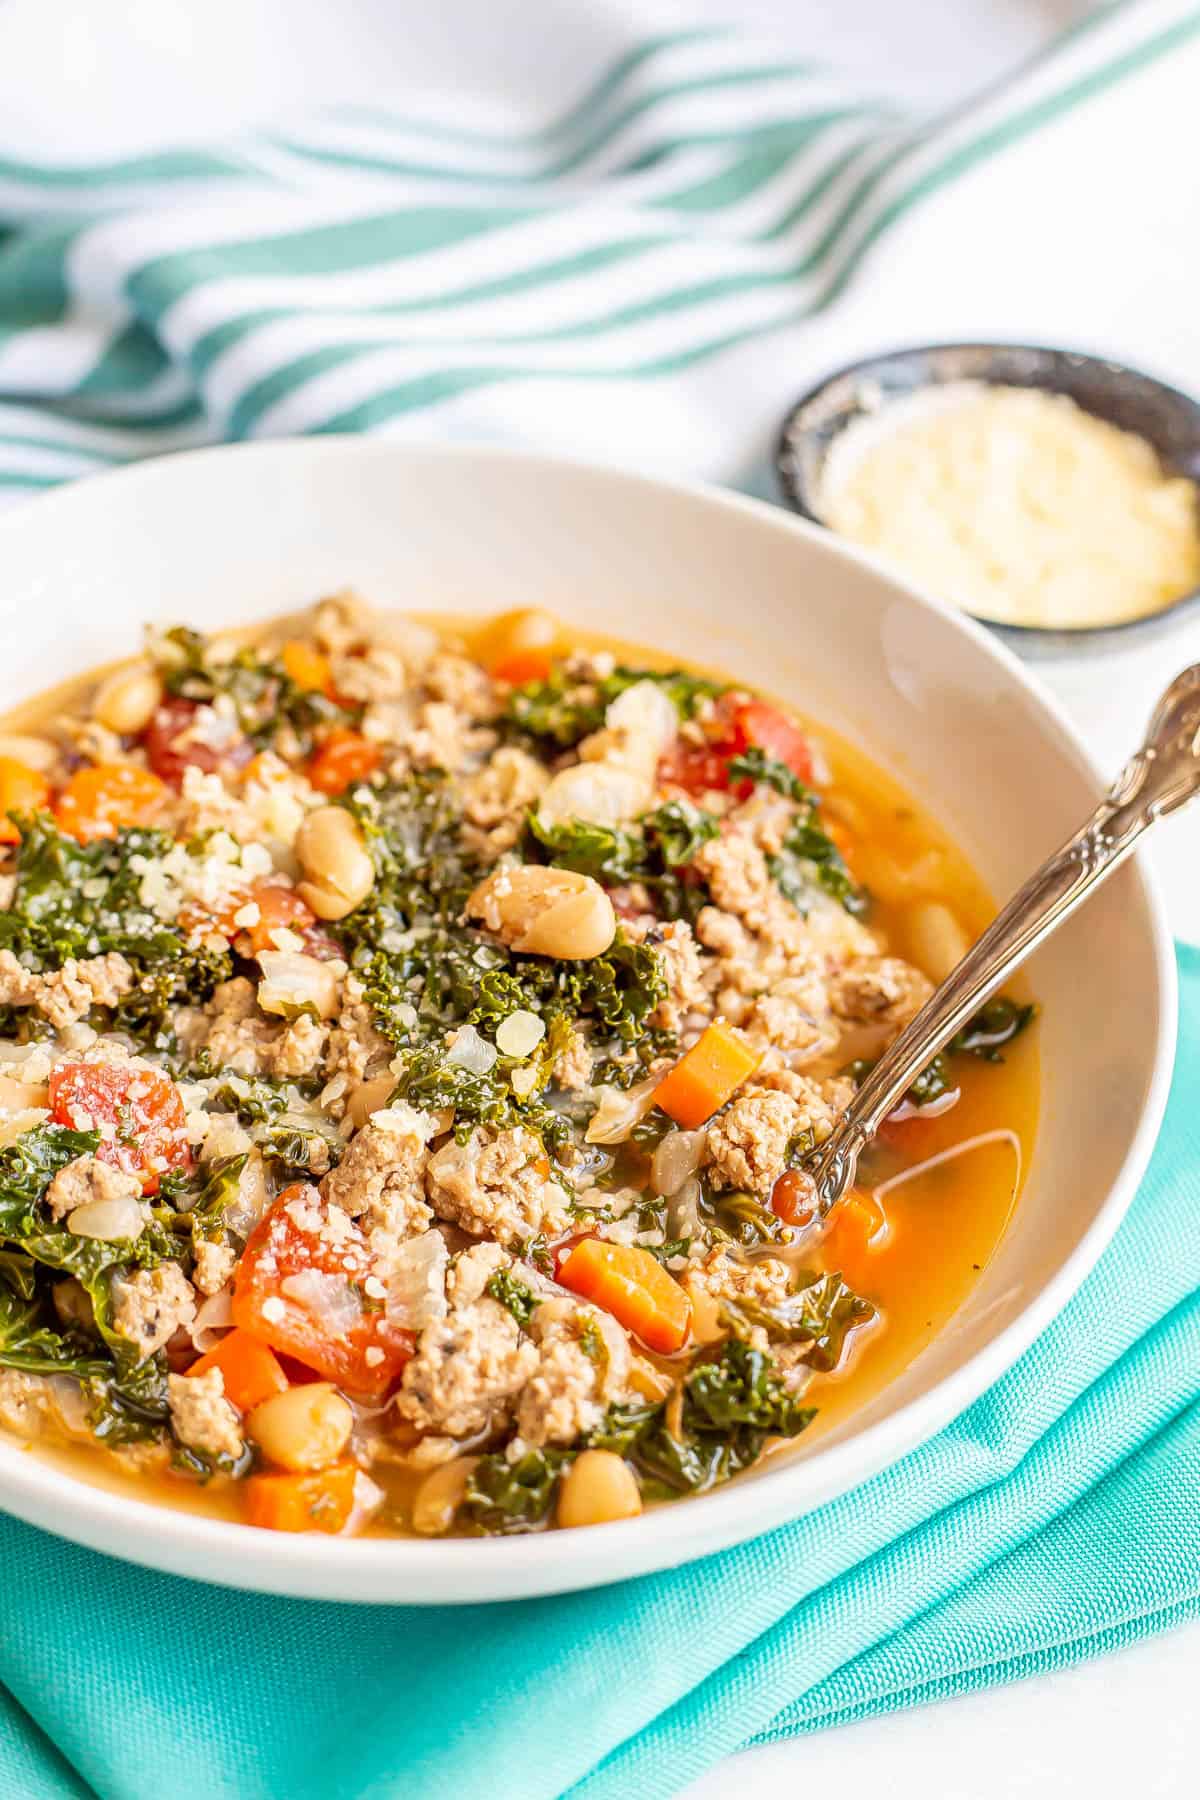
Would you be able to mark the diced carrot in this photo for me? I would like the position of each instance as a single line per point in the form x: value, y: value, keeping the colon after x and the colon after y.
x: 522, y: 666
x: 703, y: 1080
x: 104, y: 797
x: 317, y: 1500
x: 137, y: 1110
x: 857, y: 1223
x: 634, y: 1287
x: 23, y: 790
x: 307, y: 666
x: 250, y: 1369
x: 345, y: 757
x: 841, y: 834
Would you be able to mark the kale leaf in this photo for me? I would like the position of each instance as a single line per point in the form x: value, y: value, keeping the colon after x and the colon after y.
x: 996, y: 1024
x: 731, y: 1405
x: 563, y: 709
x: 80, y: 900
x: 822, y: 1313
x: 504, y: 1497
x: 513, y: 1293
x: 652, y: 854
x: 765, y: 770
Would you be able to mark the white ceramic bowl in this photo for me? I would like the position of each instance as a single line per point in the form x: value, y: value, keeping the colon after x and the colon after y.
x: 224, y: 535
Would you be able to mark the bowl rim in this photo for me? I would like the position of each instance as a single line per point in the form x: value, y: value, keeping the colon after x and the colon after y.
x: 1034, y: 640
x: 463, y: 1571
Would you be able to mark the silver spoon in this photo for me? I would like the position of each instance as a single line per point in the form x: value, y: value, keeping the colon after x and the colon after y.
x: 1161, y: 777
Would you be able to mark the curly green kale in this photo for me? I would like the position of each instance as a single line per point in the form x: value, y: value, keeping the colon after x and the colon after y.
x: 81, y: 900
x: 562, y: 709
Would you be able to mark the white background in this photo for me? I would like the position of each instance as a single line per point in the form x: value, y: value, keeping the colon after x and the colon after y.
x: 126, y: 74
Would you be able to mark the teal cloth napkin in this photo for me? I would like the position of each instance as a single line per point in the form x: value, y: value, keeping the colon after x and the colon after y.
x: 1055, y: 1518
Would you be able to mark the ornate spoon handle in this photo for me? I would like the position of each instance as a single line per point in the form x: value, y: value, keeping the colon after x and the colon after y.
x: 1162, y: 776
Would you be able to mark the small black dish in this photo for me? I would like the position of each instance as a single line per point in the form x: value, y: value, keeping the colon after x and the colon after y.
x: 1167, y: 419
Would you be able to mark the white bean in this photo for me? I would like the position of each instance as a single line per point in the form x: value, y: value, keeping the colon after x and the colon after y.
x: 546, y: 912
x: 128, y: 699
x: 936, y: 939
x: 597, y: 1488
x: 304, y: 1428
x: 339, y: 872
x: 440, y: 1495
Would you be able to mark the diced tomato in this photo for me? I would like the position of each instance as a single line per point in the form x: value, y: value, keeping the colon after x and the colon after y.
x: 279, y: 908
x: 343, y: 758
x: 768, y: 729
x: 793, y: 1199
x: 300, y: 1288
x: 735, y: 725
x: 139, y: 1113
x: 186, y: 734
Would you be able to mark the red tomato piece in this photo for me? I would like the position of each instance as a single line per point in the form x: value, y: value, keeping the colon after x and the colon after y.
x: 300, y: 1288
x: 767, y: 729
x: 139, y: 1113
x: 793, y: 1199
x: 187, y: 734
x: 344, y: 758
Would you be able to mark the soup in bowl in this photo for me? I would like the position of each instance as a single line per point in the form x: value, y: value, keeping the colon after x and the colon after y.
x: 417, y: 1021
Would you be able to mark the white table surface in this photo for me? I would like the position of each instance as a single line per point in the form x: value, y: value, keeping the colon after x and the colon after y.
x: 1127, y: 1723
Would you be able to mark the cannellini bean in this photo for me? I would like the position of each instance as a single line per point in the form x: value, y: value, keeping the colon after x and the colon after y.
x: 546, y: 912
x: 895, y: 881
x: 528, y: 629
x: 936, y: 939
x: 369, y: 1097
x: 35, y: 752
x: 440, y: 1495
x: 600, y: 793
x: 339, y: 874
x: 646, y: 712
x: 290, y: 981
x: 304, y: 1428
x: 597, y: 1488
x: 128, y: 699
x: 111, y: 1221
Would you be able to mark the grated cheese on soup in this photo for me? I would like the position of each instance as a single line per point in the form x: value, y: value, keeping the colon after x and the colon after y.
x: 1017, y: 505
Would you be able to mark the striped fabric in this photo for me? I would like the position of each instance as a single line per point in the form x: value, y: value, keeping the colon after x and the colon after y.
x: 361, y: 271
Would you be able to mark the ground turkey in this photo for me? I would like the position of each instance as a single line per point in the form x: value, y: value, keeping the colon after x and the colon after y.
x: 201, y: 1416
x: 882, y: 990
x: 746, y: 1146
x: 87, y: 1179
x: 68, y: 993
x: 581, y: 1367
x: 497, y: 1185
x: 242, y: 1040
x: 380, y: 1178
x: 469, y: 1365
x: 150, y: 1305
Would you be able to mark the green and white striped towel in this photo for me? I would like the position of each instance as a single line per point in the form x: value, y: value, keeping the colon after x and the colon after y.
x: 646, y: 276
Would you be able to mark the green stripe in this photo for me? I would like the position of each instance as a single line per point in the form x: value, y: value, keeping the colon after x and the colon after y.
x: 33, y: 279
x: 734, y: 78
x: 162, y: 166
x: 332, y: 249
x: 223, y: 337
x: 575, y: 117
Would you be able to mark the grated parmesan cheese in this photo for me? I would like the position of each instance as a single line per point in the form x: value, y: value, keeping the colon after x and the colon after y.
x: 1017, y: 505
